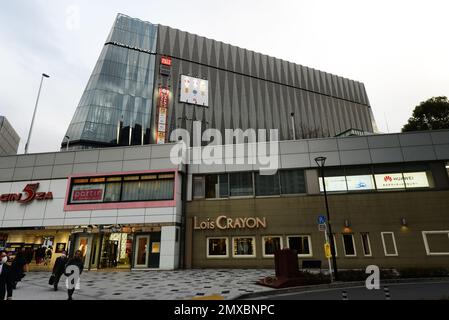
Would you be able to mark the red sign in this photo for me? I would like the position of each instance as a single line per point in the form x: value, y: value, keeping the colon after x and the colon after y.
x: 87, y: 195
x: 162, y: 115
x: 31, y: 193
x: 166, y: 61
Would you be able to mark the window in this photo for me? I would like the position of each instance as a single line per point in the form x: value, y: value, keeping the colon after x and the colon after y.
x: 389, y: 244
x: 198, y: 187
x: 155, y: 187
x: 360, y: 182
x: 302, y: 244
x: 267, y: 185
x: 241, y: 184
x: 211, y: 186
x: 270, y: 244
x: 292, y: 182
x: 244, y: 247
x: 217, y: 247
x: 366, y: 244
x: 436, y: 243
x: 349, y: 245
x: 333, y: 184
x: 223, y: 185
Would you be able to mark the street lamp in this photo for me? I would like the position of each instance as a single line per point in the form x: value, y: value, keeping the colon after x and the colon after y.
x: 34, y: 113
x: 320, y: 162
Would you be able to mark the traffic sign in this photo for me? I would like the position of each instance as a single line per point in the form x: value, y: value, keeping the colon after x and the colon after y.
x: 327, y: 250
x: 322, y: 227
x: 321, y: 219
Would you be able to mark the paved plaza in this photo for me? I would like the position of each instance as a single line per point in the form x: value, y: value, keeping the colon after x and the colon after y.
x: 154, y: 285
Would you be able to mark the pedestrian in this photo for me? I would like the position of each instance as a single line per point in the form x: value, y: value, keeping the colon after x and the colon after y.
x: 6, y: 282
x: 48, y: 254
x: 59, y: 268
x: 18, y: 267
x: 76, y: 261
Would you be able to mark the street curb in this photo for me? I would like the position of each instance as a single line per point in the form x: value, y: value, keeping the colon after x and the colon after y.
x: 334, y: 285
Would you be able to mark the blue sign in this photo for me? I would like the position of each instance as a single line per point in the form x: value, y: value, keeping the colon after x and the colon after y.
x: 321, y: 219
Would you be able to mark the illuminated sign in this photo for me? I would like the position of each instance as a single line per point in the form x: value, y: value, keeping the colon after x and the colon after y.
x: 194, y: 91
x: 166, y: 61
x: 334, y: 184
x: 401, y: 181
x: 224, y: 223
x: 416, y: 180
x: 87, y: 193
x: 363, y: 182
x: 162, y: 115
x: 31, y: 194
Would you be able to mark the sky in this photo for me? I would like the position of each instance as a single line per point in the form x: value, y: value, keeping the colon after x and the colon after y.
x: 398, y: 49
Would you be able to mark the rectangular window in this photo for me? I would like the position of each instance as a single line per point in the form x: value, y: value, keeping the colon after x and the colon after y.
x: 366, y: 244
x: 123, y: 188
x: 436, y: 243
x: 223, y: 181
x: 270, y: 244
x: 244, y: 247
x: 217, y: 247
x: 211, y: 186
x: 267, y: 185
x: 389, y: 244
x: 302, y: 244
x: 241, y: 184
x: 349, y: 245
x: 198, y: 187
x: 292, y: 182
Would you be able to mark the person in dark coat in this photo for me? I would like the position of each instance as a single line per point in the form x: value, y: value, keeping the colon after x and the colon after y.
x: 76, y: 261
x: 59, y: 268
x: 6, y: 278
x: 18, y: 267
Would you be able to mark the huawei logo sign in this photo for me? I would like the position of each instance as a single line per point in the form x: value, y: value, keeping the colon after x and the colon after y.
x: 388, y: 179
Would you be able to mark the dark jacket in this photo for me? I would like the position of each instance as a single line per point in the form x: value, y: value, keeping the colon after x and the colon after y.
x: 17, y: 266
x: 59, y: 267
x: 74, y: 262
x: 6, y: 282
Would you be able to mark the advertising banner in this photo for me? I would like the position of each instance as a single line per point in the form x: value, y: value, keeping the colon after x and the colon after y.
x: 416, y: 180
x: 87, y: 193
x: 389, y: 181
x: 363, y: 182
x: 334, y: 184
x: 194, y: 91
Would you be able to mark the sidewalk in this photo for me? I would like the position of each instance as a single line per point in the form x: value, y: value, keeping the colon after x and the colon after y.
x: 153, y: 285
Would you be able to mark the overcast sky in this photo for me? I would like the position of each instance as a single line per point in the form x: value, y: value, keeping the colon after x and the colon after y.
x: 398, y: 49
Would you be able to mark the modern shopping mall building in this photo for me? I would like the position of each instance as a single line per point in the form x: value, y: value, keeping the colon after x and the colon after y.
x: 117, y: 195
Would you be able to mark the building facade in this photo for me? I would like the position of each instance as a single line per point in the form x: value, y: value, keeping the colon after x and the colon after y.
x: 133, y: 208
x: 152, y: 79
x: 9, y: 139
x: 388, y: 202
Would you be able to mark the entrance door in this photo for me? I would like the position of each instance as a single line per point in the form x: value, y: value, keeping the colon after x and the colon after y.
x: 141, y: 256
x: 84, y: 244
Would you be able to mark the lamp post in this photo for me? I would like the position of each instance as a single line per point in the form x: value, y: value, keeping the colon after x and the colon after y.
x: 34, y: 113
x: 320, y: 162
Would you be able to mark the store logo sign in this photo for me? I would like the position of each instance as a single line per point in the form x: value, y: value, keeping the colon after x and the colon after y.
x: 29, y: 193
x: 225, y: 223
x: 166, y: 61
x: 388, y: 179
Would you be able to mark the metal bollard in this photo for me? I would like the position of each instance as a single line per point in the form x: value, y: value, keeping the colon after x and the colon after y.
x: 387, y: 293
x: 344, y: 295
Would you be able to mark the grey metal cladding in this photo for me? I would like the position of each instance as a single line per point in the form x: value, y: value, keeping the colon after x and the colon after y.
x: 252, y: 90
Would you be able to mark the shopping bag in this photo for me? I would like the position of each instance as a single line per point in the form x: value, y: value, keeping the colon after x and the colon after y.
x: 51, y: 281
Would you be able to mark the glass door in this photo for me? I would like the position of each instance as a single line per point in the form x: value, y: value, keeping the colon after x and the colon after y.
x: 141, y: 257
x: 84, y: 244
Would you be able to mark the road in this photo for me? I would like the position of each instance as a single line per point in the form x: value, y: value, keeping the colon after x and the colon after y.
x: 437, y: 290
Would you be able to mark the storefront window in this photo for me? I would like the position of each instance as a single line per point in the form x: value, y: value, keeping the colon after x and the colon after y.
x: 244, y: 247
x: 217, y: 248
x: 241, y: 184
x: 267, y: 185
x: 198, y: 187
x: 270, y: 245
x: 112, y: 192
x: 223, y: 180
x: 301, y: 244
x: 292, y: 182
x: 366, y: 244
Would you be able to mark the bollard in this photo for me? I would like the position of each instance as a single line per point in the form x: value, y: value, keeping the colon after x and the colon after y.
x: 387, y: 293
x: 344, y: 295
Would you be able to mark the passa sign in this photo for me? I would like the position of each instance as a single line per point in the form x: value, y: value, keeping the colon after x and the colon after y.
x: 29, y: 193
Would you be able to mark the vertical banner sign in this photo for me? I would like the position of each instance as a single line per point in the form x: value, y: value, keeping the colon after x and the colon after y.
x: 162, y: 115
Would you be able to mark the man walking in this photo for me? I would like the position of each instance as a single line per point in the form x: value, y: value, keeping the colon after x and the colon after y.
x: 77, y: 262
x: 6, y: 277
x: 59, y: 268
